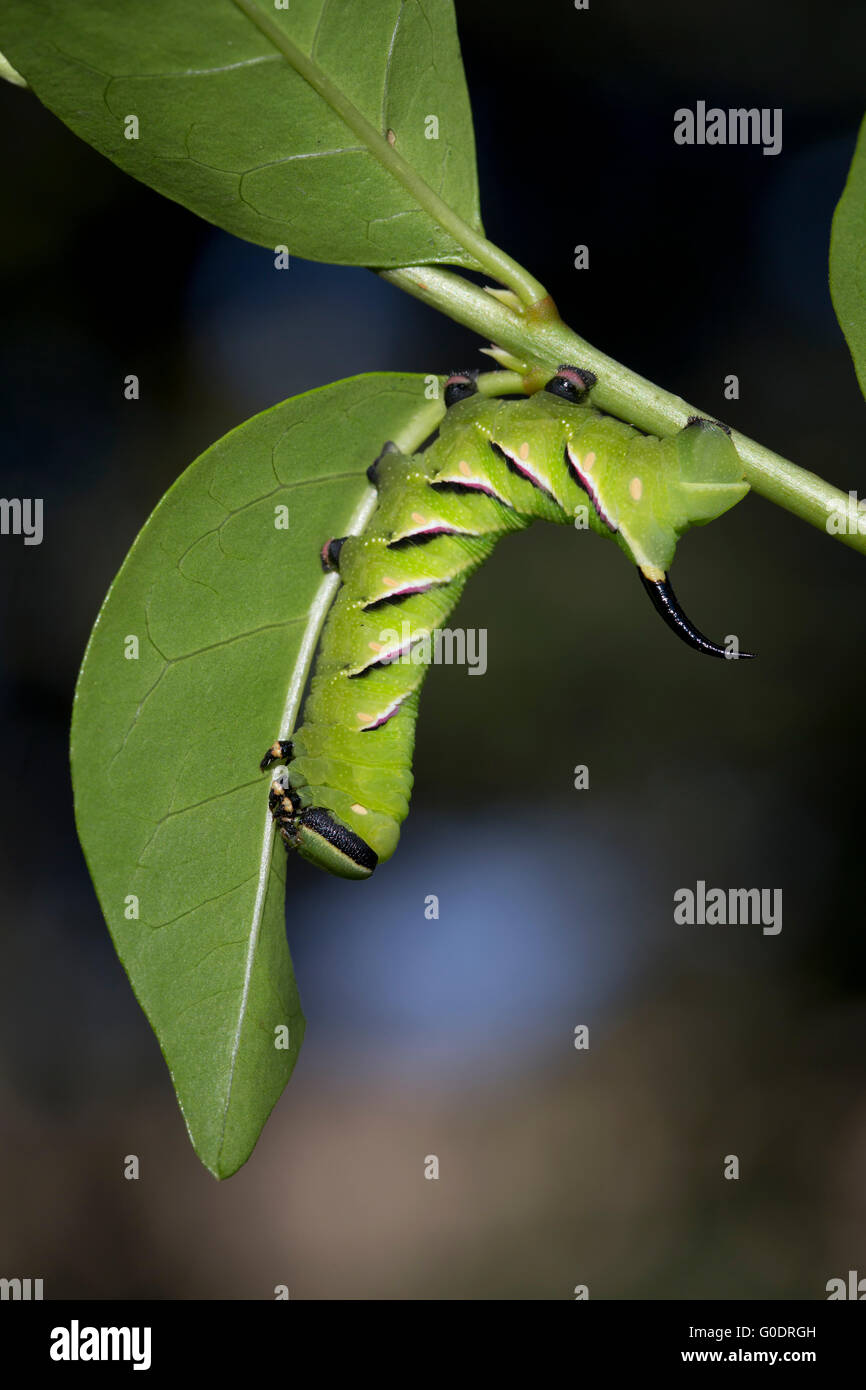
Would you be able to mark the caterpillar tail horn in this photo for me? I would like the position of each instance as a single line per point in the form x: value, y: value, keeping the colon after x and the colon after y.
x: 664, y: 601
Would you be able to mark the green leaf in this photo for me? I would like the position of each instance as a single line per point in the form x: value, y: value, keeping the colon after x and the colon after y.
x: 848, y: 259
x: 229, y: 127
x: 196, y: 663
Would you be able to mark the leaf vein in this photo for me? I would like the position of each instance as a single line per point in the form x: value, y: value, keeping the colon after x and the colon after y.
x: 386, y: 82
x: 205, y: 902
x: 318, y: 29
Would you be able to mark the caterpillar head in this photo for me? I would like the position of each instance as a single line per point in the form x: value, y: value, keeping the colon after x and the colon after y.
x: 324, y: 840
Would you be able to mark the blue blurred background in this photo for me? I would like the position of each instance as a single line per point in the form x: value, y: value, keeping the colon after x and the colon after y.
x: 454, y: 1036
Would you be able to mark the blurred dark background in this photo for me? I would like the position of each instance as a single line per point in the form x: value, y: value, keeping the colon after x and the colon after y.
x: 454, y: 1037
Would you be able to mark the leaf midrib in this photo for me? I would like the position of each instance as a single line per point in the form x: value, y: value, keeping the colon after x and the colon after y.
x: 376, y: 144
x: 408, y: 440
x: 315, y: 619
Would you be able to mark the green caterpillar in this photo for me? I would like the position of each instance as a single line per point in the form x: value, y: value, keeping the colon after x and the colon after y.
x: 495, y: 466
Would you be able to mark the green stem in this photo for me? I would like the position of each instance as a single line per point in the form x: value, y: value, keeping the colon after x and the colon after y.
x: 482, y: 253
x: 501, y: 384
x: 545, y: 342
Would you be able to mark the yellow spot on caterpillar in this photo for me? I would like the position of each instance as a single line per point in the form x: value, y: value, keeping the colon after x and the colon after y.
x: 589, y: 460
x: 375, y: 646
x: 635, y: 488
x: 416, y: 516
x: 386, y: 579
x: 464, y: 468
x: 364, y: 718
x: 359, y: 810
x: 523, y: 451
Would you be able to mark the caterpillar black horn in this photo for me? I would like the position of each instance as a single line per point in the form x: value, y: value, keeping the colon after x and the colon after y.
x: 664, y: 601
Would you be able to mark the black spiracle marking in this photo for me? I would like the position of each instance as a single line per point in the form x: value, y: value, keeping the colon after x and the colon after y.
x: 586, y: 488
x: 383, y: 662
x: 470, y: 490
x: 400, y: 596
x: 514, y: 467
x: 422, y: 538
x: 578, y: 477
